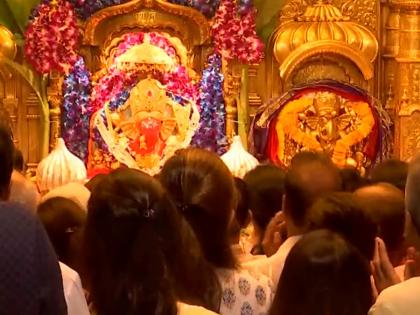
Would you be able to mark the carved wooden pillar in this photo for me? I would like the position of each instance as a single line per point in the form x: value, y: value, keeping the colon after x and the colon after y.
x: 232, y: 72
x: 10, y: 105
x: 55, y: 99
x: 406, y: 87
x: 390, y: 52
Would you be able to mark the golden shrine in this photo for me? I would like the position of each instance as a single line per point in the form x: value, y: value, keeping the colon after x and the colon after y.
x: 340, y: 76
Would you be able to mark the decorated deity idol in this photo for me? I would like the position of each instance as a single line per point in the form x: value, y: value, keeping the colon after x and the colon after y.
x: 145, y: 104
x: 322, y: 118
x: 148, y: 128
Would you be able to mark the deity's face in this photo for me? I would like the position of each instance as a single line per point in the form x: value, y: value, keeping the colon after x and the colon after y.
x: 326, y: 110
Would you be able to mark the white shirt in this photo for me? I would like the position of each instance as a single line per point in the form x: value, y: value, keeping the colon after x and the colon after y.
x: 272, y: 267
x: 400, y: 299
x: 244, y: 293
x: 73, y: 292
x: 185, y: 309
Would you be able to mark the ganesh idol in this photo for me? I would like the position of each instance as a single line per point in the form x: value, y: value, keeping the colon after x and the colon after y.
x: 146, y: 130
x: 336, y: 119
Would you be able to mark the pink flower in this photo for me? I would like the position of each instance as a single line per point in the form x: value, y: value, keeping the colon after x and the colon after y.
x: 52, y: 38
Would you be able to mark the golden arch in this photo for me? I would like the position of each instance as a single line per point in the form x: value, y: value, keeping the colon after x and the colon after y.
x: 308, y: 50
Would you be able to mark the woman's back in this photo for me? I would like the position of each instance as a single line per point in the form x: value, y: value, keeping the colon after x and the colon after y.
x: 203, y: 188
x: 136, y: 250
x: 244, y: 293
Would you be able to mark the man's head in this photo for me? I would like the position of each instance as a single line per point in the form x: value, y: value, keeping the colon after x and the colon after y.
x: 24, y: 192
x: 391, y: 171
x: 352, y: 179
x: 412, y: 194
x: 265, y: 184
x: 310, y: 176
x: 18, y: 161
x: 6, y: 161
x: 342, y: 213
x: 384, y: 203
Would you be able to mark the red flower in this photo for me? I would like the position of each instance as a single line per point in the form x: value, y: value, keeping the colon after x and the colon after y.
x: 235, y: 36
x: 52, y: 38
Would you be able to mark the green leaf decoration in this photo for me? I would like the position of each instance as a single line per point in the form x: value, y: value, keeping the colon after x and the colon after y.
x: 267, y: 17
x: 19, y: 11
x: 6, y: 17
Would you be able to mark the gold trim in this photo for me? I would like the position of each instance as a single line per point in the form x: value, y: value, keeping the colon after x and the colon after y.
x: 295, y: 58
x: 148, y: 13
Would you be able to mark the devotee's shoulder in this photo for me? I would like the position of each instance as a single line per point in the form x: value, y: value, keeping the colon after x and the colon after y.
x: 245, y: 292
x: 185, y: 309
x: 400, y: 299
x: 73, y: 291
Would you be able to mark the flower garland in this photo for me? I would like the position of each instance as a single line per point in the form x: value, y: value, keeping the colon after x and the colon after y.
x: 288, y: 120
x: 109, y: 87
x: 86, y: 8
x: 178, y: 82
x: 75, y: 118
x: 211, y: 134
x: 234, y: 32
x: 52, y: 36
x: 367, y: 123
x: 206, y: 7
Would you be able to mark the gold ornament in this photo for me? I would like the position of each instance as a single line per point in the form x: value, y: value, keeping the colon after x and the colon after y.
x: 322, y: 28
x: 323, y: 122
x: 7, y: 43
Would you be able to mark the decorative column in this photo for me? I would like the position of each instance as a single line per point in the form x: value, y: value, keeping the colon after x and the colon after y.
x: 232, y: 72
x: 55, y: 98
x: 407, y: 84
x: 390, y: 52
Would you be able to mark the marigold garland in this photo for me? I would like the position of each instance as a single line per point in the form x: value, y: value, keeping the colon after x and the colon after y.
x: 52, y: 36
x: 288, y: 120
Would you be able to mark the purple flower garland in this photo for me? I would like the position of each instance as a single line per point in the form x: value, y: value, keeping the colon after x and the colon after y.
x: 206, y: 7
x: 211, y: 134
x: 75, y: 116
x: 86, y: 8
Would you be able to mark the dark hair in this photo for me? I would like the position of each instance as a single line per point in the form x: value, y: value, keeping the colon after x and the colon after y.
x: 140, y: 254
x: 63, y: 220
x: 342, y: 213
x: 412, y: 197
x: 18, y: 161
x: 336, y: 278
x: 310, y: 176
x: 203, y: 189
x: 351, y: 179
x: 384, y: 203
x: 266, y: 186
x: 391, y: 171
x: 242, y: 214
x: 90, y: 185
x: 6, y: 160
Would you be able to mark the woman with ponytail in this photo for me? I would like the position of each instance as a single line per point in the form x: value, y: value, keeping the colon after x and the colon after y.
x: 203, y: 189
x: 138, y: 249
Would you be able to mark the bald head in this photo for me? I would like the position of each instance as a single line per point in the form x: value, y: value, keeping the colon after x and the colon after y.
x: 385, y: 204
x: 311, y: 176
x: 24, y: 192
